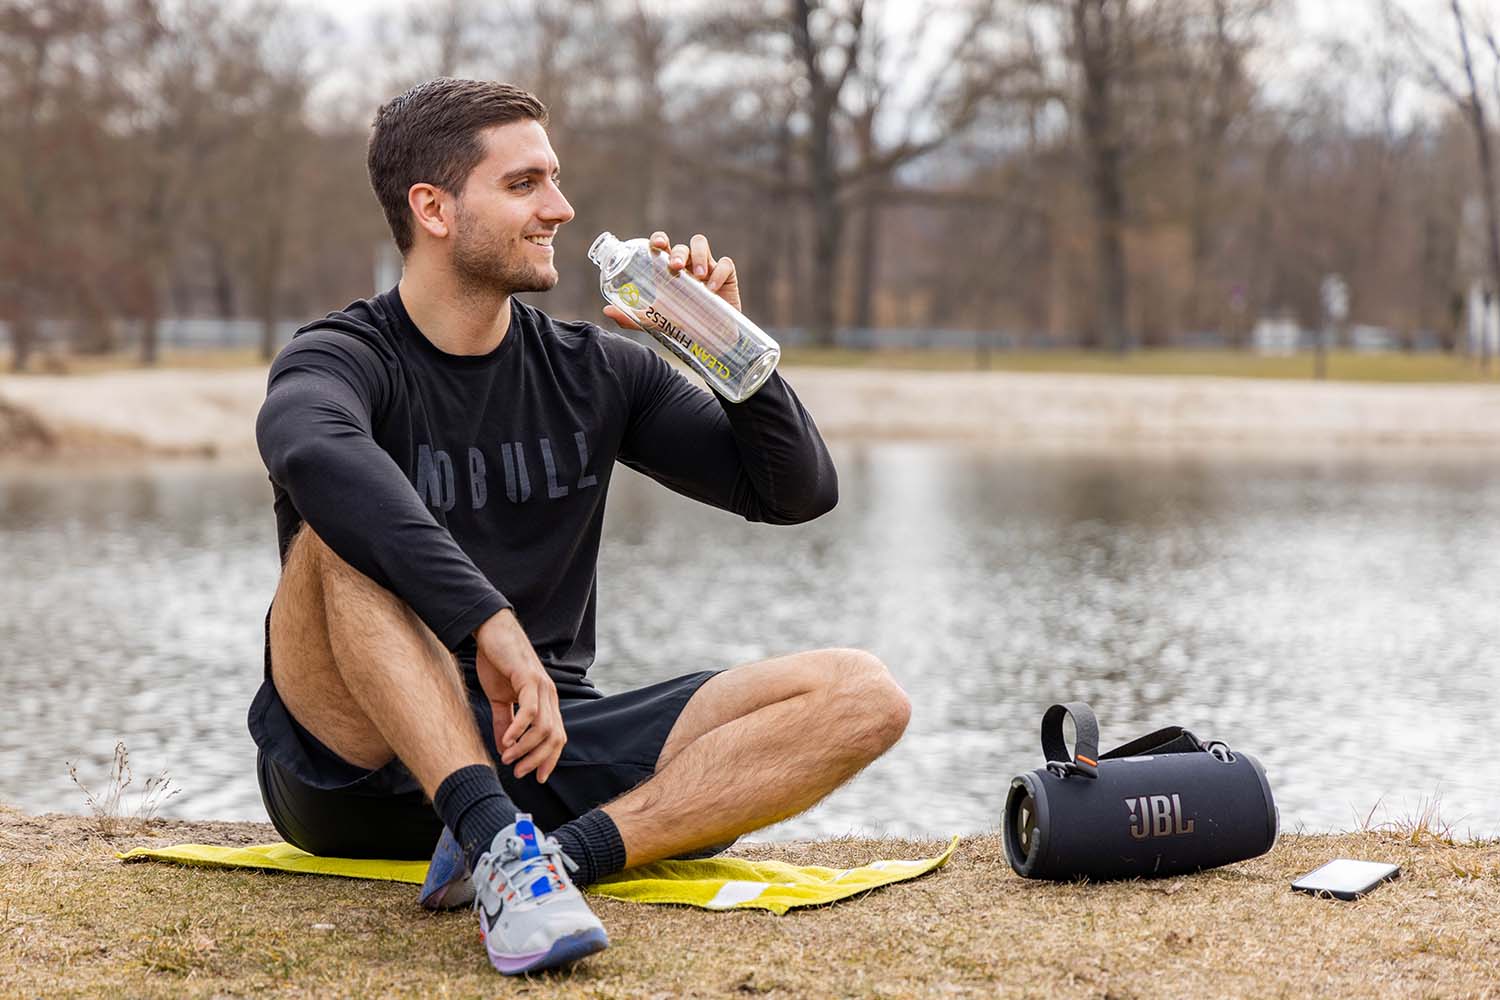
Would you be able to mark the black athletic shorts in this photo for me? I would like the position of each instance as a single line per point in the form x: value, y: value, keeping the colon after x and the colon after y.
x: 325, y: 805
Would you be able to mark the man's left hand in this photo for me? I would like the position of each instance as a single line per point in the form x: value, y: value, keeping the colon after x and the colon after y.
x: 697, y: 259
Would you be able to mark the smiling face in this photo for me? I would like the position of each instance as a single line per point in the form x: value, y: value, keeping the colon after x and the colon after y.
x: 508, y: 211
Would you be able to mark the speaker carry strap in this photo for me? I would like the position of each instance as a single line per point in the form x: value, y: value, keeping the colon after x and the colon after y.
x: 1085, y: 758
x: 1172, y: 739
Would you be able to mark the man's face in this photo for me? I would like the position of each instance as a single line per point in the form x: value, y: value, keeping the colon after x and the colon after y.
x: 509, y: 210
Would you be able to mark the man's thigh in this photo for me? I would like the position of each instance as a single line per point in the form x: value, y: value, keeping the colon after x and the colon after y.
x: 302, y: 665
x: 614, y: 744
x: 735, y: 693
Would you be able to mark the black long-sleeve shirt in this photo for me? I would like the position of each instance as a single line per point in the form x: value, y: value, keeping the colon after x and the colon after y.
x: 468, y: 484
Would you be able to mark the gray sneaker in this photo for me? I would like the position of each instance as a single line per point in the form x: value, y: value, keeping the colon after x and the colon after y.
x: 531, y: 916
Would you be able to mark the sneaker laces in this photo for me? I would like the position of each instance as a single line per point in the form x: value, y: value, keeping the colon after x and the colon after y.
x: 524, y: 875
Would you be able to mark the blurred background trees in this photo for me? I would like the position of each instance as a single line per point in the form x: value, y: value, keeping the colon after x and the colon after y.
x: 1105, y: 173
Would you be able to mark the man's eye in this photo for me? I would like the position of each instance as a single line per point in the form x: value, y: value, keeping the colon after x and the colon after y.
x: 521, y: 186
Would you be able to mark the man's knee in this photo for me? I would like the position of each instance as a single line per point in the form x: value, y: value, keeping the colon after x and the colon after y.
x: 319, y: 590
x: 867, y: 692
x: 311, y: 563
x: 308, y: 555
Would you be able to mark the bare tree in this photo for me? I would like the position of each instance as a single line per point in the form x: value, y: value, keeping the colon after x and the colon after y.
x: 1100, y: 47
x: 47, y: 101
x: 849, y: 133
x: 1219, y: 96
x: 1438, y: 65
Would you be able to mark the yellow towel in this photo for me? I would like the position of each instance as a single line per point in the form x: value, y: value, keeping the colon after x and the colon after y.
x: 733, y: 884
x: 714, y: 884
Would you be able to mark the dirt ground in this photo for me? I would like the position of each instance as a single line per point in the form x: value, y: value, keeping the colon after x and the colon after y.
x: 76, y: 922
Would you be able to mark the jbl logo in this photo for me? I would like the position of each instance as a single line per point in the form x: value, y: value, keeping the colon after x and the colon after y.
x: 1157, y: 816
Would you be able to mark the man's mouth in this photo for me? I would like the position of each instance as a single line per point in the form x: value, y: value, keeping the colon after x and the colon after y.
x: 541, y: 241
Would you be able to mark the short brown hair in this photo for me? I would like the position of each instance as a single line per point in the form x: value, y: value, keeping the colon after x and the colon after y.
x: 430, y: 134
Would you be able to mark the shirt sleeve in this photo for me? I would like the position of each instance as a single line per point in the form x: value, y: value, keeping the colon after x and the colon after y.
x: 762, y: 459
x: 315, y: 435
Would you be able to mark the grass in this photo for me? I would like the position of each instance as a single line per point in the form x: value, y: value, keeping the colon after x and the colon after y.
x: 75, y: 922
x: 1342, y: 365
x: 93, y: 364
x: 108, y: 806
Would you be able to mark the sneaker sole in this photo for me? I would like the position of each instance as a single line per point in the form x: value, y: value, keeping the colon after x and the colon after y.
x: 452, y: 896
x: 447, y: 885
x: 564, y: 951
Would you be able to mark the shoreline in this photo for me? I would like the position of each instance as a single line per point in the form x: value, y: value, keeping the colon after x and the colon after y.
x: 188, y: 413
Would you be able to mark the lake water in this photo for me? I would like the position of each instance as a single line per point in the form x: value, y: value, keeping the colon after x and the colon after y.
x: 1335, y: 616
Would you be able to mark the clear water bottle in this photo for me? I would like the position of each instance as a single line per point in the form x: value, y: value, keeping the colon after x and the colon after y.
x: 714, y: 338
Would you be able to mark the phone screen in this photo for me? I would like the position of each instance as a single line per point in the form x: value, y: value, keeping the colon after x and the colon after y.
x: 1343, y: 876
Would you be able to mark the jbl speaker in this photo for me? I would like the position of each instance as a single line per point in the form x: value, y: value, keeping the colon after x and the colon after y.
x: 1160, y: 805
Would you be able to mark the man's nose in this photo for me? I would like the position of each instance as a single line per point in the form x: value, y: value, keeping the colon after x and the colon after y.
x: 557, y: 210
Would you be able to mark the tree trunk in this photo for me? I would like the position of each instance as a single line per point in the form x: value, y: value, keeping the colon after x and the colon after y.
x: 1208, y: 157
x: 1205, y: 179
x: 1486, y: 171
x: 827, y: 219
x: 267, y: 334
x: 1258, y: 288
x: 828, y: 223
x: 268, y: 286
x: 223, y: 280
x: 151, y: 336
x: 268, y: 310
x: 765, y: 298
x: 867, y: 245
x: 827, y: 212
x: 1109, y: 206
x: 1095, y: 23
x: 867, y: 260
x: 22, y: 339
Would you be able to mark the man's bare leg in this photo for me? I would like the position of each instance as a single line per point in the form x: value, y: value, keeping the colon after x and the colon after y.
x: 758, y: 744
x: 361, y: 672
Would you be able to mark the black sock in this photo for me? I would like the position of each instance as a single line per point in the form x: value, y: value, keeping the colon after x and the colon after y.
x: 475, y: 807
x: 593, y: 842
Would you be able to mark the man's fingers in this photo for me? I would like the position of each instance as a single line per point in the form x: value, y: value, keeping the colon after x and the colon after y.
x: 504, y: 714
x: 660, y: 241
x: 520, y: 721
x: 621, y: 317
x: 723, y: 271
x: 679, y: 258
x: 701, y: 257
x: 523, y: 745
x: 545, y: 771
x: 541, y: 760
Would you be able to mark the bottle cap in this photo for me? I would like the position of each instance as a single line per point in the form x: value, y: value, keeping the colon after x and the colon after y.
x: 602, y: 246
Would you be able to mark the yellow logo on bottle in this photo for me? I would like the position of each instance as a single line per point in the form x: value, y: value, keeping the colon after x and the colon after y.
x: 630, y: 294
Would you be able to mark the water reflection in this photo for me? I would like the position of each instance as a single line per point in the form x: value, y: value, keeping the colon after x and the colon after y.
x: 1334, y: 616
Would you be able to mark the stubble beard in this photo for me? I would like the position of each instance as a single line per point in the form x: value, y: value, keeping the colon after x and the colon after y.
x: 483, y: 263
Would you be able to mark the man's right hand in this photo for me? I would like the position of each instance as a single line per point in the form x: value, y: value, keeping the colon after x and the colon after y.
x: 528, y: 722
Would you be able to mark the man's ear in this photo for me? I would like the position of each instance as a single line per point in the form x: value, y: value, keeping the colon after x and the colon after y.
x: 430, y: 208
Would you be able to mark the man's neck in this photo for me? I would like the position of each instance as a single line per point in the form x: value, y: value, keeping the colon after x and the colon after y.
x: 456, y: 317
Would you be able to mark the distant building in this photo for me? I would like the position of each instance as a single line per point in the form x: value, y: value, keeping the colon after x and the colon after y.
x: 1276, y: 336
x: 1366, y: 339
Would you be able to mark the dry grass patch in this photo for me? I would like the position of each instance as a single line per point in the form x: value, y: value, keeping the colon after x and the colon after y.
x: 1343, y: 366
x: 75, y: 922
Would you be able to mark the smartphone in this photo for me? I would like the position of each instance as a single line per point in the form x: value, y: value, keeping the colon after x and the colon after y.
x: 1342, y: 878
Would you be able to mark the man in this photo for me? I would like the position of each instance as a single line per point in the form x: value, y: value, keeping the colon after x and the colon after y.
x: 440, y: 455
